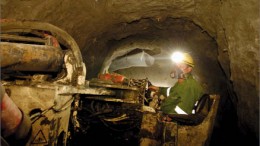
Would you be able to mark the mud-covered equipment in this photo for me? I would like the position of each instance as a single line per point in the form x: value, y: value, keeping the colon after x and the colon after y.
x: 41, y: 70
x: 63, y: 105
x: 14, y: 123
x: 46, y: 78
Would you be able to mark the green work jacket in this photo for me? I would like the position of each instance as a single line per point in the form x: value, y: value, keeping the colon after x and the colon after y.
x: 183, y: 95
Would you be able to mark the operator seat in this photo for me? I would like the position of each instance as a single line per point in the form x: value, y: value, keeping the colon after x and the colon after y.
x: 201, y: 109
x: 185, y: 130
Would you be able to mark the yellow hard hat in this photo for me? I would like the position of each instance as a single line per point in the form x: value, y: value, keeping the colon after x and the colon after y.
x: 185, y: 58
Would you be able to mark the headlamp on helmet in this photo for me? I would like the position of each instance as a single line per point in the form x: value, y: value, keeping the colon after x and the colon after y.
x: 179, y: 57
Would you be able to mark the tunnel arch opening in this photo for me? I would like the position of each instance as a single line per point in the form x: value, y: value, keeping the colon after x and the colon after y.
x: 162, y: 39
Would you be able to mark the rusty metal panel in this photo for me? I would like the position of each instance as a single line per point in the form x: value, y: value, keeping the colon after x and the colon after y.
x: 49, y: 112
x: 28, y: 57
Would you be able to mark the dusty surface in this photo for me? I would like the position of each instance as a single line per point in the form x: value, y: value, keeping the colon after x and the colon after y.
x: 99, y: 25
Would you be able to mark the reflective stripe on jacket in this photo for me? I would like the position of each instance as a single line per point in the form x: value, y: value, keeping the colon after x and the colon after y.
x: 183, y: 94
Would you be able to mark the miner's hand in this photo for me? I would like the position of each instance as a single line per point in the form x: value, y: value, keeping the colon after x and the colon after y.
x: 166, y: 119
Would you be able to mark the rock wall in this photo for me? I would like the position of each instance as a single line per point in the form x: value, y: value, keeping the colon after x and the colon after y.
x: 235, y: 26
x: 242, y: 36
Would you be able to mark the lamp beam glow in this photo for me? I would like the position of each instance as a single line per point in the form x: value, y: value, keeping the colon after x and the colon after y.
x: 177, y: 57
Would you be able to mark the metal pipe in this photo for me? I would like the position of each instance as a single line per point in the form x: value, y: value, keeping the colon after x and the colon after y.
x: 27, y: 57
x: 14, y: 26
x: 22, y: 38
x: 62, y: 36
x: 11, y: 116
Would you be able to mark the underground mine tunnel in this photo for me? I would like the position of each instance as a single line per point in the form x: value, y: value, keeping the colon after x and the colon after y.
x: 96, y: 37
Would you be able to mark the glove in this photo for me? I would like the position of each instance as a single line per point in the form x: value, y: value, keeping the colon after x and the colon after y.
x: 153, y: 88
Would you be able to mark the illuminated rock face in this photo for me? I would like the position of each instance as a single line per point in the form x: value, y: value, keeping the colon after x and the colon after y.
x: 227, y: 31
